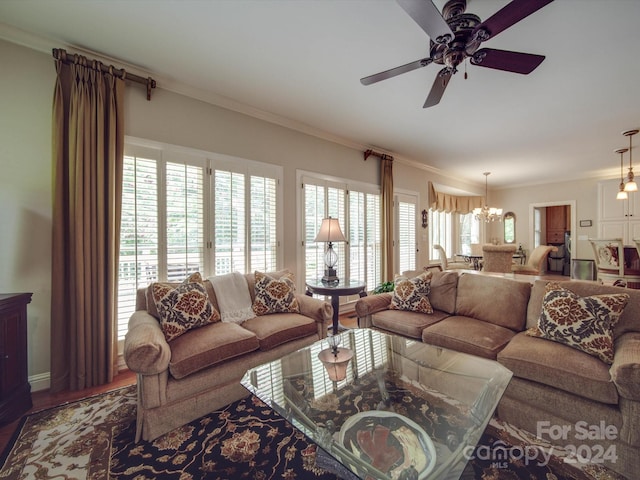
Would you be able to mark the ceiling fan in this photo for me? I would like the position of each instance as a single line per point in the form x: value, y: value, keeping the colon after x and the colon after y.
x: 456, y: 35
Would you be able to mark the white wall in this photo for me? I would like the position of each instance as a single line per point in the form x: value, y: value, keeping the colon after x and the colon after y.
x: 518, y: 200
x: 26, y: 91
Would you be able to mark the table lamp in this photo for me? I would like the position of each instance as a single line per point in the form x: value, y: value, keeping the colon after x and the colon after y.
x: 330, y: 232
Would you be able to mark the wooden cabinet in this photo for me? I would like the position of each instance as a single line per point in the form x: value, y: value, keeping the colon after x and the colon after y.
x: 557, y: 223
x: 15, y: 391
x: 618, y: 218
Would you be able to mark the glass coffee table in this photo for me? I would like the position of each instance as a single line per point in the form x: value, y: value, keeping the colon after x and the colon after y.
x: 403, y: 409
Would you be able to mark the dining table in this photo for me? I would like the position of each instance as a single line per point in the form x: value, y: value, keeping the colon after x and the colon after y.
x: 472, y: 259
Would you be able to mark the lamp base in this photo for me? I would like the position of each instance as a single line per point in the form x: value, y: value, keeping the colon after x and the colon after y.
x: 330, y: 276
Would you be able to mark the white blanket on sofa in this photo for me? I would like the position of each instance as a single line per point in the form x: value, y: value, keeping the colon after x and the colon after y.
x: 234, y: 300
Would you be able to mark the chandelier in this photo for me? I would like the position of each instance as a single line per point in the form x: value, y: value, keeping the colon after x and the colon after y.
x: 486, y: 213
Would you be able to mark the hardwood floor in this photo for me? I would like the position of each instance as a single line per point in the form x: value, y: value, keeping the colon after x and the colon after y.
x: 45, y: 399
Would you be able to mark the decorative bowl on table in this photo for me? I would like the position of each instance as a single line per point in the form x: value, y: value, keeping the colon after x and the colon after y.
x: 392, y: 443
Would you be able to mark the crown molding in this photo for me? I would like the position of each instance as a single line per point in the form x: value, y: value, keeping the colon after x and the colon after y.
x: 45, y: 45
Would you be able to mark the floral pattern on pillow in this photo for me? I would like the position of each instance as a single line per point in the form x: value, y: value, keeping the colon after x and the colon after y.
x: 412, y: 294
x: 584, y: 323
x: 184, y: 307
x: 275, y: 295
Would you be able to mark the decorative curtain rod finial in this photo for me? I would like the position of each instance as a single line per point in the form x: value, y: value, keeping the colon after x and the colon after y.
x: 61, y: 55
x: 383, y: 156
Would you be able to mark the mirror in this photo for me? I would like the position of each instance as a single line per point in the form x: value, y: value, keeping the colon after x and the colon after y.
x: 509, y: 221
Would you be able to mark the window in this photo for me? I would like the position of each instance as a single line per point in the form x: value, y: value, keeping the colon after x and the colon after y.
x: 440, y: 233
x: 179, y: 203
x: 469, y: 232
x: 454, y: 232
x: 406, y: 241
x: 357, y: 207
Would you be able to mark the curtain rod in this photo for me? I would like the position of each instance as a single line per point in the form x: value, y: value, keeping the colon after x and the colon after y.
x: 383, y: 156
x: 61, y: 54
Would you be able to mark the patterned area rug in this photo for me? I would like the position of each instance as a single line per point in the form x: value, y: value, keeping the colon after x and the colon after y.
x: 93, y: 439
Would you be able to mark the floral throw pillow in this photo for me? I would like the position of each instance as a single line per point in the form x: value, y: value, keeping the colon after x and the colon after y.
x: 275, y: 295
x: 412, y: 294
x: 584, y: 323
x: 184, y: 307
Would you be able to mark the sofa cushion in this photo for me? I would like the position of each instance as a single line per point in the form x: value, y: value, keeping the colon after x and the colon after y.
x: 444, y: 287
x: 184, y: 307
x: 251, y: 280
x: 497, y: 300
x: 278, y: 328
x: 408, y: 324
x: 559, y: 366
x: 412, y: 294
x: 208, y: 346
x: 275, y: 294
x: 584, y: 323
x: 629, y: 320
x: 468, y: 335
x: 150, y: 306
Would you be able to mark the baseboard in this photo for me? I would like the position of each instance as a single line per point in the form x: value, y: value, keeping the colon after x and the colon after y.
x: 42, y: 381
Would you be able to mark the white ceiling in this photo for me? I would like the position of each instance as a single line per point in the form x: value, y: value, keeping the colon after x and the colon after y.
x: 299, y: 62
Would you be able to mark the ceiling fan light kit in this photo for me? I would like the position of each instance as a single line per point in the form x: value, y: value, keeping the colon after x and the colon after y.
x: 456, y: 36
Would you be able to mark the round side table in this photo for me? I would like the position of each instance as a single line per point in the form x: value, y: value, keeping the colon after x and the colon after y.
x: 342, y: 288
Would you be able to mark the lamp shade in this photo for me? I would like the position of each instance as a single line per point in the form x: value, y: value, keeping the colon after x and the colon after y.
x: 336, y: 362
x: 330, y: 231
x: 631, y: 185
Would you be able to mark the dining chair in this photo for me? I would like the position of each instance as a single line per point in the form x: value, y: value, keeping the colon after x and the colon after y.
x: 446, y: 264
x: 610, y: 263
x: 536, y: 261
x: 497, y: 258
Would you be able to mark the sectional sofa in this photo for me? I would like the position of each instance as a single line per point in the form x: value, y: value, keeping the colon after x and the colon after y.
x: 559, y: 393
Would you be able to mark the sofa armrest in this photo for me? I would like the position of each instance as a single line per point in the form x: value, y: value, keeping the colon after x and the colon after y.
x: 366, y: 306
x: 319, y: 310
x: 146, y: 350
x: 372, y: 304
x: 625, y: 370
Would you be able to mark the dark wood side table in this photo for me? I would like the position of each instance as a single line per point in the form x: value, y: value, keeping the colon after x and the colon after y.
x: 15, y: 391
x: 343, y: 288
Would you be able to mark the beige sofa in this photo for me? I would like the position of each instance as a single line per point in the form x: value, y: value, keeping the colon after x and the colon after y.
x: 201, y: 370
x: 555, y: 388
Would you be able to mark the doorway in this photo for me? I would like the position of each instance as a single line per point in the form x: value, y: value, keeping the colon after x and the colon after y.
x: 552, y: 223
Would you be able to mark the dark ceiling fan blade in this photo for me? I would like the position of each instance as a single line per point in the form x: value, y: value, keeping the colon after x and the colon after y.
x: 516, y: 62
x: 438, y: 88
x: 509, y: 15
x: 429, y: 18
x: 392, y: 72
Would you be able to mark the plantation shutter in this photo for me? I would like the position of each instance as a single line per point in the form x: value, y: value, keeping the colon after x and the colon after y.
x: 406, y: 232
x: 138, y: 264
x: 229, y: 223
x: 263, y: 236
x: 184, y: 220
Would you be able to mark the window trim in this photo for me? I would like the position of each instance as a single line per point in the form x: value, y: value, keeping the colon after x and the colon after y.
x: 164, y: 153
x: 331, y: 181
x: 410, y: 197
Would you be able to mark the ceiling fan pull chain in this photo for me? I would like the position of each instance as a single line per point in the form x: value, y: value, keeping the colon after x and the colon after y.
x: 465, y: 69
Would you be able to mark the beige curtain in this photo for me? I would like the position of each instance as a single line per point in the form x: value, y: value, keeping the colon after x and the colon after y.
x: 386, y: 224
x: 88, y: 141
x: 443, y: 202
